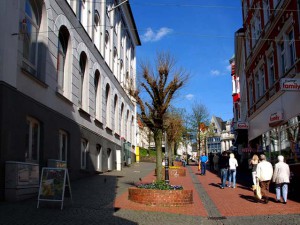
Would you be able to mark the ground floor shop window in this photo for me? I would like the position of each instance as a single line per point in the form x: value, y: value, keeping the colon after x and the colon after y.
x: 32, y: 140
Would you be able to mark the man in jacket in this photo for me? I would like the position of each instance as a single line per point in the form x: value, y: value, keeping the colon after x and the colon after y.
x: 264, y: 173
x: 223, y: 166
x: 281, y: 177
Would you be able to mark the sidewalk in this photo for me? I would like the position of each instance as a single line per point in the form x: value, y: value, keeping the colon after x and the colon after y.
x: 228, y: 202
x: 103, y: 199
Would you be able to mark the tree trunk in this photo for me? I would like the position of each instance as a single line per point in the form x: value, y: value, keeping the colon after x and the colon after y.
x: 171, y: 152
x: 158, y: 147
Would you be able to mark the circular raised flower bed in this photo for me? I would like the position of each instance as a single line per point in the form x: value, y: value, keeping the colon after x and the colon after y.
x: 160, y: 197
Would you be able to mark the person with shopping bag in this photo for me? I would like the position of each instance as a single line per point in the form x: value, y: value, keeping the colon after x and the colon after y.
x: 264, y: 173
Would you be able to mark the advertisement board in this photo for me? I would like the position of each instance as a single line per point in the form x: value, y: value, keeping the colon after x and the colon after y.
x: 52, y: 184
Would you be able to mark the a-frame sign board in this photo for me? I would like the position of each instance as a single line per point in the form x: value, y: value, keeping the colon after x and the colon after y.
x: 53, y: 184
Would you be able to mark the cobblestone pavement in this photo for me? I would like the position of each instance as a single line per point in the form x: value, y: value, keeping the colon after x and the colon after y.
x: 102, y: 199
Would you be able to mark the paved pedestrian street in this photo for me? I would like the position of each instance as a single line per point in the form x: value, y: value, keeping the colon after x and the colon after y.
x: 103, y: 199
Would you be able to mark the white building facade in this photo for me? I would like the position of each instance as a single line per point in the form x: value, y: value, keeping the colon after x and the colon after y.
x: 65, y: 68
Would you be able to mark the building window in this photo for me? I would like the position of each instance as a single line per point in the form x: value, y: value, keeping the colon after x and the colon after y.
x: 84, y: 152
x: 107, y: 48
x: 122, y: 120
x: 116, y: 62
x: 281, y: 51
x: 99, y: 156
x: 97, y: 29
x: 63, y: 145
x: 247, y: 44
x: 271, y: 71
x: 250, y: 93
x: 291, y: 48
x: 82, y: 76
x: 262, y: 81
x: 266, y: 8
x: 107, y: 104
x: 62, y: 65
x: 82, y: 13
x: 97, y: 86
x: 116, y: 113
x: 30, y: 27
x: 32, y: 140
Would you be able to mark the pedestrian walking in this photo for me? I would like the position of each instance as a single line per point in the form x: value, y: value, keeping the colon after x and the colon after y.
x: 281, y: 177
x: 203, y: 160
x: 233, y: 164
x: 264, y: 173
x: 253, y: 165
x: 223, y: 166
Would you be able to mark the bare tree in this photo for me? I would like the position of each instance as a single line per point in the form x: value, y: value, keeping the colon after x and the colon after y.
x: 198, y: 118
x: 175, y: 129
x: 160, y: 87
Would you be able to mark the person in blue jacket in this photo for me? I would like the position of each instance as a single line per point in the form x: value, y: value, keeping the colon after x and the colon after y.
x: 203, y: 161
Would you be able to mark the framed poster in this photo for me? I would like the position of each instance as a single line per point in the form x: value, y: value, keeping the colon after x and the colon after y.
x: 53, y: 184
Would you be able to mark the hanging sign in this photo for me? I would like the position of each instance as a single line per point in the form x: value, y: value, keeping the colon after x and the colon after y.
x: 290, y: 84
x: 242, y: 125
x: 276, y: 118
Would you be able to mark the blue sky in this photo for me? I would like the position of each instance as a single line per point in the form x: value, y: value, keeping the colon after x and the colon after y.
x: 200, y: 36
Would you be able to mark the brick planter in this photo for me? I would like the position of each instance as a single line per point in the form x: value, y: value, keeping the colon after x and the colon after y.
x: 160, y: 197
x: 177, y: 163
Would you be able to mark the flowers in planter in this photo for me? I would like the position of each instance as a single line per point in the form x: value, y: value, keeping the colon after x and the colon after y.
x: 159, y: 185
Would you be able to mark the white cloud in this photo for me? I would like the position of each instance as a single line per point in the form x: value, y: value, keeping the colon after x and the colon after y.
x: 215, y: 72
x: 228, y: 68
x: 189, y: 97
x: 151, y: 36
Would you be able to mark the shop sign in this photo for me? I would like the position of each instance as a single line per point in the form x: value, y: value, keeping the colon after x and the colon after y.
x: 276, y: 117
x: 290, y: 84
x: 242, y: 125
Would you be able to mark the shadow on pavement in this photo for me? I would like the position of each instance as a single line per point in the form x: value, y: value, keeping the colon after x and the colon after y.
x: 93, y: 203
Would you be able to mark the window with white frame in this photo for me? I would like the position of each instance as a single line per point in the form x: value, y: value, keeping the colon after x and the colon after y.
x: 271, y: 71
x: 97, y: 89
x: 63, y: 56
x: 108, y: 106
x: 122, y: 120
x: 30, y: 28
x: 107, y: 48
x: 266, y: 9
x: 291, y: 48
x: 83, y: 12
x: 262, y: 81
x: 82, y: 76
x: 115, y: 66
x: 97, y: 29
x: 32, y: 146
x: 281, y: 52
x: 253, y: 33
x: 63, y: 145
x: 99, y: 156
x: 116, y: 115
x: 84, y: 152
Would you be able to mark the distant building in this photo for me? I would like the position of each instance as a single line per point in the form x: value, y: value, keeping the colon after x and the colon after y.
x: 220, y: 139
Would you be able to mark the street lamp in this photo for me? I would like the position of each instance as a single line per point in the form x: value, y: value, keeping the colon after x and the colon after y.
x: 167, y: 181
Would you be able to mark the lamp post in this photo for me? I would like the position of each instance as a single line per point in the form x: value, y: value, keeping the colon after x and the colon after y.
x: 167, y: 181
